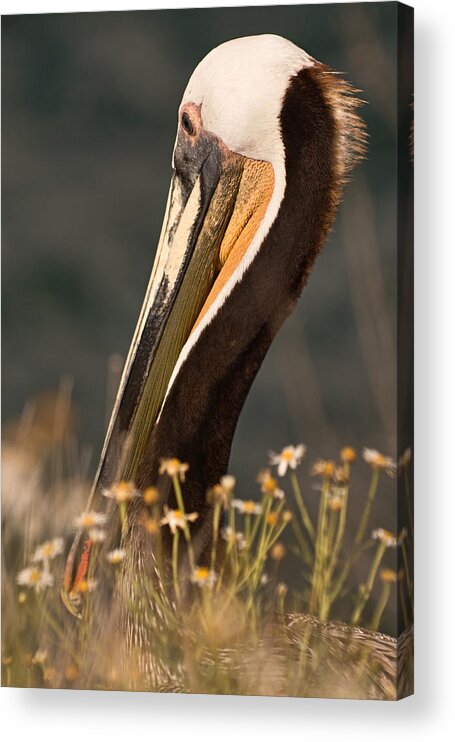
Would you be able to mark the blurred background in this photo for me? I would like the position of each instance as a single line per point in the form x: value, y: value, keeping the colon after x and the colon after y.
x: 89, y: 117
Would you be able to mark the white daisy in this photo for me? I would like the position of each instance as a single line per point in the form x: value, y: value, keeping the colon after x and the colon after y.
x: 97, y: 535
x: 174, y: 468
x: 290, y: 456
x: 386, y: 537
x: 177, y: 519
x: 85, y: 586
x: 204, y: 577
x: 228, y: 482
x: 269, y: 485
x: 378, y: 461
x: 116, y: 556
x: 90, y: 519
x: 233, y: 537
x: 247, y: 507
x: 48, y: 550
x: 35, y: 577
x: 121, y: 492
x: 40, y: 657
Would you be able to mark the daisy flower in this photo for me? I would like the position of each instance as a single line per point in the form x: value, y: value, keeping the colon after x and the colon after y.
x: 348, y: 455
x: 386, y: 537
x: 85, y: 586
x: 278, y: 552
x: 177, y: 519
x: 228, y: 482
x: 151, y: 496
x: 388, y: 575
x: 48, y: 550
x: 335, y: 501
x: 116, y: 556
x: 97, y: 535
x: 35, y: 577
x: 340, y: 476
x: 151, y: 525
x: 247, y: 507
x: 174, y: 468
x: 90, y: 519
x: 323, y: 468
x: 290, y: 456
x: 204, y: 577
x: 40, y: 657
x: 121, y: 492
x: 71, y: 672
x: 269, y: 485
x: 233, y: 537
x: 222, y: 492
x: 378, y: 461
x: 272, y: 518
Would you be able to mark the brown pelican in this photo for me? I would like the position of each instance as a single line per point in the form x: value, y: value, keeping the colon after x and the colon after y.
x: 266, y: 137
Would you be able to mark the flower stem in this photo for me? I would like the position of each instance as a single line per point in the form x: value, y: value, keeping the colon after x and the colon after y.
x: 366, y: 591
x: 320, y: 548
x: 302, y: 507
x: 339, y: 536
x: 379, y: 610
x: 215, y: 532
x: 175, y: 563
x: 123, y: 517
x: 367, y: 509
x: 186, y: 530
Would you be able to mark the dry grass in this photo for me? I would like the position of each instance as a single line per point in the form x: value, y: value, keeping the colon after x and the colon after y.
x: 228, y: 625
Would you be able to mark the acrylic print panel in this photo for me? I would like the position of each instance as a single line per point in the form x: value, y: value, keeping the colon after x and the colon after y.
x: 211, y: 493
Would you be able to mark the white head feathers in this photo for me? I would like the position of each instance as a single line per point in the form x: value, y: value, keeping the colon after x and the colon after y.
x: 240, y: 87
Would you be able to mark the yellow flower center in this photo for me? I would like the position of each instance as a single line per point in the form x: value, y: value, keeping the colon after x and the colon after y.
x: 335, y: 504
x: 151, y: 495
x: 202, y: 573
x: 123, y: 491
x: 151, y: 525
x: 249, y: 506
x: 287, y: 454
x: 35, y: 576
x: 348, y: 455
x: 388, y: 575
x: 173, y: 467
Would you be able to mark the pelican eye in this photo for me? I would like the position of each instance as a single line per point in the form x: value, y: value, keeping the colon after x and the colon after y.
x: 187, y: 124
